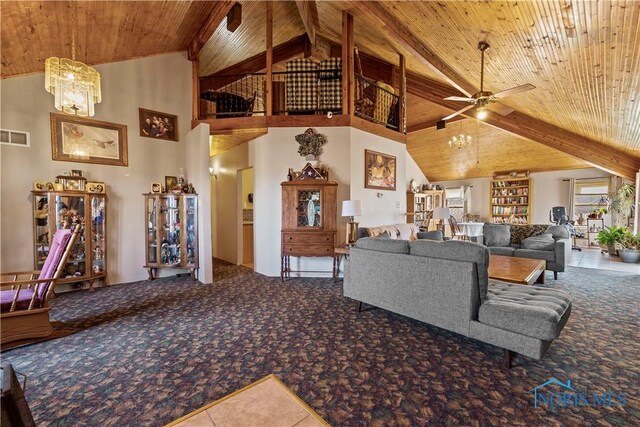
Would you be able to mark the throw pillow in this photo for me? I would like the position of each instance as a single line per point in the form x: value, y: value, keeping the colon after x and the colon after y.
x: 541, y: 242
x: 496, y: 235
x: 519, y: 232
x: 558, y: 231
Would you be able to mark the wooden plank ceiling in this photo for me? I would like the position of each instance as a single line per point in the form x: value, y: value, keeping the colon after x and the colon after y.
x: 583, y: 57
x: 106, y: 31
x: 491, y: 150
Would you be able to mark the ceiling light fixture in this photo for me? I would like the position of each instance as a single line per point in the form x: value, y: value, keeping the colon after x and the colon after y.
x: 75, y: 86
x: 481, y: 113
x: 460, y: 141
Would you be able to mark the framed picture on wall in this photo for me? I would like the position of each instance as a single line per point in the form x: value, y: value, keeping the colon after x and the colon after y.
x: 154, y: 124
x: 379, y: 171
x: 78, y: 139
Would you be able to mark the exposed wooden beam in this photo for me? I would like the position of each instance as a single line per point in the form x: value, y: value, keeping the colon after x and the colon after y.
x: 195, y: 106
x: 403, y: 95
x: 593, y: 152
x: 402, y: 35
x: 219, y: 11
x: 268, y: 91
x: 282, y: 52
x: 309, y: 14
x: 347, y: 63
x: 432, y: 123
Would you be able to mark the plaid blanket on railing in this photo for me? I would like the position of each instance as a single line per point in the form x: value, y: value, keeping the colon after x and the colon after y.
x: 301, y: 85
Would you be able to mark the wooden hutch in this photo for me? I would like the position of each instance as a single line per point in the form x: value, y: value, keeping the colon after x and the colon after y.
x: 309, y: 210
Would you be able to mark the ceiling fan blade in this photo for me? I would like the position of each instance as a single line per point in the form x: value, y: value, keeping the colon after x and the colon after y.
x: 514, y: 90
x: 460, y: 98
x: 458, y: 112
x: 501, y: 109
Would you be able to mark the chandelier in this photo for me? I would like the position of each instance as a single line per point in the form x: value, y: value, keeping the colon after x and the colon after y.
x: 460, y: 141
x: 75, y: 86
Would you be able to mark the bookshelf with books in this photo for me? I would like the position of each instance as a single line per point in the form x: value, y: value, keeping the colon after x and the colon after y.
x: 510, y: 201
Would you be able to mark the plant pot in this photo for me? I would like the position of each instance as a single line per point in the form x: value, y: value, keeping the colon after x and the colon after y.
x: 631, y: 256
x: 611, y: 250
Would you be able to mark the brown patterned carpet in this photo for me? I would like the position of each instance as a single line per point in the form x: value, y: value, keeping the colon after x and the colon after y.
x: 150, y: 352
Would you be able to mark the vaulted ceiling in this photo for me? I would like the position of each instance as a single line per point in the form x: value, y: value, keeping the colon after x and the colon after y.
x: 583, y: 57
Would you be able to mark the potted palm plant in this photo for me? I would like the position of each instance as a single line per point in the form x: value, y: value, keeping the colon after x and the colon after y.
x: 621, y: 202
x: 629, y: 246
x: 609, y: 236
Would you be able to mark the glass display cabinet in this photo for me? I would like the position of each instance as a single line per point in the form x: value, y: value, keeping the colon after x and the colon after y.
x: 54, y: 210
x: 308, y: 217
x: 172, y: 232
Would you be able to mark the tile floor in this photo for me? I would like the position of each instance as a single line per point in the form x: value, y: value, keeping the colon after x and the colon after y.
x: 593, y: 258
x: 266, y: 403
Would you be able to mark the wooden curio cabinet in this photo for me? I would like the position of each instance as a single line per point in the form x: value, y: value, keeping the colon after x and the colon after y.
x: 309, y: 210
x: 172, y: 232
x: 54, y: 210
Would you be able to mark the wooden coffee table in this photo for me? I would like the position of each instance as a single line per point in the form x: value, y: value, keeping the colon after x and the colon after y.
x: 524, y: 271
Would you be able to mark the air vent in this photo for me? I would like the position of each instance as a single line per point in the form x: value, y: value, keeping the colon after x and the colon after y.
x: 14, y: 137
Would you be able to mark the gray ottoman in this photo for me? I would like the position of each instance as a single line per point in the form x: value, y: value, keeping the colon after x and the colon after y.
x: 528, y: 310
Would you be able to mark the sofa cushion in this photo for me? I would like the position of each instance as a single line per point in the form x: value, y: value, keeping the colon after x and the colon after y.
x: 519, y: 232
x: 506, y: 250
x: 383, y: 245
x: 496, y: 235
x: 528, y: 310
x: 542, y: 242
x: 457, y: 250
x: 558, y: 231
x: 431, y: 235
x: 535, y: 254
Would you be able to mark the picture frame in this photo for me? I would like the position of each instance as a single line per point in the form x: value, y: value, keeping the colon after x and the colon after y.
x: 156, y: 187
x: 72, y: 183
x: 170, y: 182
x: 76, y: 172
x: 158, y: 125
x: 78, y: 139
x: 379, y: 171
x: 96, y: 187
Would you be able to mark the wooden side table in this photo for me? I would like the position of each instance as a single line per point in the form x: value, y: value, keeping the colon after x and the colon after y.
x: 339, y: 253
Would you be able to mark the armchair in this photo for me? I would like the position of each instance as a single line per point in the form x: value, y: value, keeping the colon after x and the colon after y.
x: 25, y: 295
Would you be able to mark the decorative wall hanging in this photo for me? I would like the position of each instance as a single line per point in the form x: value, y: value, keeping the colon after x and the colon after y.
x: 154, y: 124
x: 379, y: 171
x: 77, y: 139
x: 311, y: 143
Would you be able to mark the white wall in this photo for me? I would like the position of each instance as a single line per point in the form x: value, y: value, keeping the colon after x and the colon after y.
x: 271, y: 156
x: 549, y: 190
x: 162, y: 83
x: 197, y: 159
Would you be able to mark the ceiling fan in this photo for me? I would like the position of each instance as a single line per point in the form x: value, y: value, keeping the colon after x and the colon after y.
x: 483, y: 99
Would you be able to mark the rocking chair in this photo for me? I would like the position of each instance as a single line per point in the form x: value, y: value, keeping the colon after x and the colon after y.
x: 24, y: 296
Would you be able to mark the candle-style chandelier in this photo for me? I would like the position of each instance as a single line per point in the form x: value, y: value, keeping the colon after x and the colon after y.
x: 460, y: 141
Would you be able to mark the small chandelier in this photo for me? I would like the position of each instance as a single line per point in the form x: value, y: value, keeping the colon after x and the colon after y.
x: 75, y: 86
x: 460, y: 141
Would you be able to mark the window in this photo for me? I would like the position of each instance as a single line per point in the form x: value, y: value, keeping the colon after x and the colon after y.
x: 590, y: 194
x: 14, y: 137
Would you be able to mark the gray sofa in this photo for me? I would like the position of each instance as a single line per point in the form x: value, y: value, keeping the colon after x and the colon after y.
x: 446, y: 284
x: 551, y: 243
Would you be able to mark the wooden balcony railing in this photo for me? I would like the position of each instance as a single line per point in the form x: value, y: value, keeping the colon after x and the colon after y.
x: 297, y: 93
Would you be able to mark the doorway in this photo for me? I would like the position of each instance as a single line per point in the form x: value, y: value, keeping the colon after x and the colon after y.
x: 245, y: 208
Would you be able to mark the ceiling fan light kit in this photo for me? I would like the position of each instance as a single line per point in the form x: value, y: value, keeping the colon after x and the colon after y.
x: 481, y: 100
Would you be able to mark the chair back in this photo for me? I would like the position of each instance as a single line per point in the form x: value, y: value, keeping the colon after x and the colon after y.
x: 455, y: 229
x: 63, y: 241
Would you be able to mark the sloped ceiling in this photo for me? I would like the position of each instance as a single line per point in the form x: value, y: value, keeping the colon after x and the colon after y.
x: 582, y: 56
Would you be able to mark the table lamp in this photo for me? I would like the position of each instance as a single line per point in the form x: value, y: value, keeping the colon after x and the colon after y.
x: 441, y: 214
x: 352, y: 208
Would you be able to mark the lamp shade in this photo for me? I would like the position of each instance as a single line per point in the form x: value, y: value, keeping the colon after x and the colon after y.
x: 441, y: 213
x: 351, y: 208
